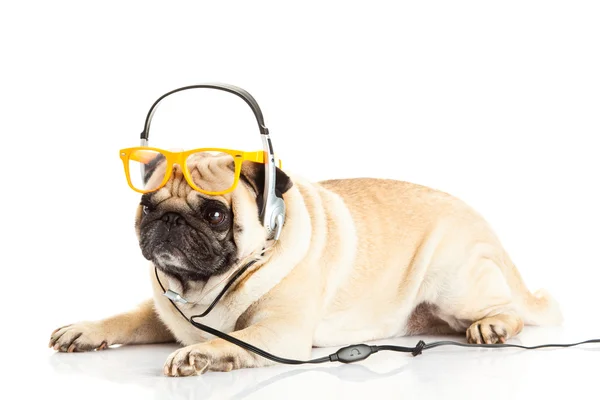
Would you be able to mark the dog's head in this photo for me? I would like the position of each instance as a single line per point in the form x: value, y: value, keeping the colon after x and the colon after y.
x: 191, y: 235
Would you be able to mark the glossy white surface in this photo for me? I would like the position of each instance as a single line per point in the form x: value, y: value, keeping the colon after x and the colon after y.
x: 449, y: 372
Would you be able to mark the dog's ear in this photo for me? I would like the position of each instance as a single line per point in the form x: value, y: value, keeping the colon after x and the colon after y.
x: 253, y: 174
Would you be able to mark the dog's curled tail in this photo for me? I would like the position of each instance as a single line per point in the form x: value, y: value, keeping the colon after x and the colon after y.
x: 538, y: 308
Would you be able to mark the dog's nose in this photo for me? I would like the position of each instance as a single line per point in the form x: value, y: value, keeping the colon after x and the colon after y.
x: 173, y: 218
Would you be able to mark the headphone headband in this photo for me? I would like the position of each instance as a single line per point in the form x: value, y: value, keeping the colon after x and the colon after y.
x: 244, y: 95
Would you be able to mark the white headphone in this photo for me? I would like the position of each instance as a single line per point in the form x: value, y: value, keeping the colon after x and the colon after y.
x: 272, y: 213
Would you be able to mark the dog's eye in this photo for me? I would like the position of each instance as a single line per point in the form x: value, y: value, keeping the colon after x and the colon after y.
x: 214, y: 216
x: 146, y: 209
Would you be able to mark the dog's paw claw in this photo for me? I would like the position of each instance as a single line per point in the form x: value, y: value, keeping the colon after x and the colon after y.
x: 85, y: 336
x: 487, y: 331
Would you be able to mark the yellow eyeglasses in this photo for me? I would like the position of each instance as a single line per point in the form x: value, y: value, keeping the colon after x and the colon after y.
x: 148, y: 168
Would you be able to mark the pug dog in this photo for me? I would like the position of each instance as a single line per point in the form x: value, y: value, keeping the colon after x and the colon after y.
x: 358, y: 260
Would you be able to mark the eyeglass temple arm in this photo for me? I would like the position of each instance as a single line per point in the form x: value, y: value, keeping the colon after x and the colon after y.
x: 259, y: 157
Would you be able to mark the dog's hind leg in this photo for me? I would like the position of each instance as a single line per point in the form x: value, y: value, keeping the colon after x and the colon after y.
x: 479, y: 299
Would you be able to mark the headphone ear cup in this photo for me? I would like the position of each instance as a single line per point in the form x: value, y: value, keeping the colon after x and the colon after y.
x: 253, y: 174
x: 276, y: 219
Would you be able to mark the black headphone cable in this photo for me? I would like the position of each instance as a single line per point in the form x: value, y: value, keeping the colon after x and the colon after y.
x: 347, y: 354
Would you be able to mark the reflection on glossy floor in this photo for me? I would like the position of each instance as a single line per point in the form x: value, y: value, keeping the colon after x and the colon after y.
x: 450, y: 372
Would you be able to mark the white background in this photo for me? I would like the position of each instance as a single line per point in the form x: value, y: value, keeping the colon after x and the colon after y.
x: 494, y: 102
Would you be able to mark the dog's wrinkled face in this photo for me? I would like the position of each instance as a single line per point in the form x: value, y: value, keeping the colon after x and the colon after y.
x: 193, y: 236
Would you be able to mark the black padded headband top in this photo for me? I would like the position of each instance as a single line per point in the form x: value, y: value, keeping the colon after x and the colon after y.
x: 247, y: 97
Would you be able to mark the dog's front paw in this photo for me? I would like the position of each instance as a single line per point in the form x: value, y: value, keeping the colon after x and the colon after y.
x: 197, y: 359
x: 187, y: 361
x: 84, y: 336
